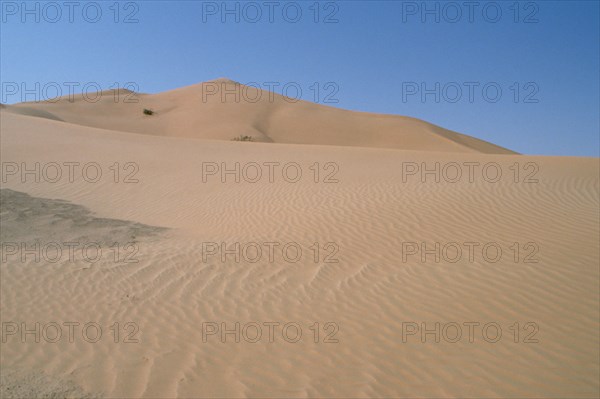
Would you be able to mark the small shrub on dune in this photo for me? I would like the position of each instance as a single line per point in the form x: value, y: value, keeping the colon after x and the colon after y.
x: 243, y: 138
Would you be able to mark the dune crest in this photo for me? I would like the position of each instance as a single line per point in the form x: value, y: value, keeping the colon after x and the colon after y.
x: 223, y: 109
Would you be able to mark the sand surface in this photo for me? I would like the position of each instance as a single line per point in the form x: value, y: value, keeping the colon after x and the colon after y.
x: 364, y: 287
x: 223, y: 109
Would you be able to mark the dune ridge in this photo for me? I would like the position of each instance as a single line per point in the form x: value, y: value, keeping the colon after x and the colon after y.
x: 204, y: 111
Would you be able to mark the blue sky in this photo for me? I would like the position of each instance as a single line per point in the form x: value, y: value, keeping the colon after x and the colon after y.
x: 376, y: 56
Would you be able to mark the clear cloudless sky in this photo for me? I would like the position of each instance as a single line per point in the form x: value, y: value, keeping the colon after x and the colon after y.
x: 376, y: 53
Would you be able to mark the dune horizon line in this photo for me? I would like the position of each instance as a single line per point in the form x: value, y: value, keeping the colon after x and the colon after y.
x: 224, y: 109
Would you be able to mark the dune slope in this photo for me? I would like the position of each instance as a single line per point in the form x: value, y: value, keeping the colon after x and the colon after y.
x: 360, y: 211
x: 223, y: 109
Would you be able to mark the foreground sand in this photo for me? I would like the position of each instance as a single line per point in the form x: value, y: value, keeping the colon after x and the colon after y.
x: 369, y: 294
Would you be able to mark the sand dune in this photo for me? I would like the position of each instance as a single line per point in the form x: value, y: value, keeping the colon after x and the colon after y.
x: 223, y: 109
x: 361, y: 202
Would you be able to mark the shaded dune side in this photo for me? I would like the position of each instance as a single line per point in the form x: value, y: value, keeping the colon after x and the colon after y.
x: 31, y: 219
x: 19, y: 384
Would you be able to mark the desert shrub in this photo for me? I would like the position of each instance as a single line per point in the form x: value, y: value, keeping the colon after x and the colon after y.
x: 148, y: 111
x: 243, y: 138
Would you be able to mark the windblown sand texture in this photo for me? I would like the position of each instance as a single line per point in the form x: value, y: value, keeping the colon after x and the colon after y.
x: 367, y: 210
